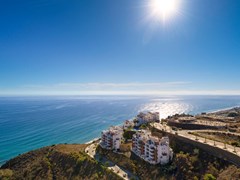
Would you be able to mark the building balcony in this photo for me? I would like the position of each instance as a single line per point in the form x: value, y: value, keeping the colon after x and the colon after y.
x: 152, y: 155
x: 152, y: 151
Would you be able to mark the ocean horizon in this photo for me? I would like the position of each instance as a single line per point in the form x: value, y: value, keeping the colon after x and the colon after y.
x: 28, y: 123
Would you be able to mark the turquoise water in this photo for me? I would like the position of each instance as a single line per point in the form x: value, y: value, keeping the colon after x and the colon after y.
x: 28, y: 123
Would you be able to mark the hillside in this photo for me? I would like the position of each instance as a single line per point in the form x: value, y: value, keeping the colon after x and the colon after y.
x: 55, y: 162
x: 70, y: 162
x: 189, y: 162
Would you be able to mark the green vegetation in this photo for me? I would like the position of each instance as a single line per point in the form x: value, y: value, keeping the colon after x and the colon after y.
x: 5, y: 174
x: 143, y: 126
x: 71, y: 162
x: 209, y: 177
x: 128, y: 134
x: 56, y: 162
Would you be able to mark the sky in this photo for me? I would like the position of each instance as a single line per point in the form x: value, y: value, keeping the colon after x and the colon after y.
x: 72, y: 47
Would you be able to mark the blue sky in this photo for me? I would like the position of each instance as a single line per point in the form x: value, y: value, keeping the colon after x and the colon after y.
x: 112, y: 47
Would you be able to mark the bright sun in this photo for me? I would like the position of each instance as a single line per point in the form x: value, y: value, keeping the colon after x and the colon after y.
x: 164, y: 8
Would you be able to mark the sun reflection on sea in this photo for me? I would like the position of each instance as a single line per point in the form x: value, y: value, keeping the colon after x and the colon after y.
x: 167, y: 108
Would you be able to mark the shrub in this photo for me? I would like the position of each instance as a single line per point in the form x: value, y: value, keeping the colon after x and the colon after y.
x: 209, y: 177
x: 6, y: 174
x: 232, y: 114
x: 195, y: 178
x: 128, y: 134
x: 143, y: 126
x: 107, y: 163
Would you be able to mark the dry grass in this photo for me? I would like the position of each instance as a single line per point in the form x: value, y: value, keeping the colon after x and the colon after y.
x: 126, y: 147
x: 70, y: 148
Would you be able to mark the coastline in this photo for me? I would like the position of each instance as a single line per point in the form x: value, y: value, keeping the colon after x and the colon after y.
x: 209, y: 112
x: 93, y: 140
x: 80, y: 152
x: 99, y: 137
x: 223, y: 109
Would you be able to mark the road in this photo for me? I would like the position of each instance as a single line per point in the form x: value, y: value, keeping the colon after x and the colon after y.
x: 225, y: 132
x: 185, y: 133
x: 91, y: 151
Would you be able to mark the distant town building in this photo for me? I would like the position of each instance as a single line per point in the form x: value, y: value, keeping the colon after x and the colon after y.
x: 111, y: 138
x: 128, y: 124
x: 143, y: 118
x: 152, y: 149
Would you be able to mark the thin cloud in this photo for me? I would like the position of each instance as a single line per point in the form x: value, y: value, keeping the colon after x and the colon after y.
x: 134, y: 88
x: 109, y: 86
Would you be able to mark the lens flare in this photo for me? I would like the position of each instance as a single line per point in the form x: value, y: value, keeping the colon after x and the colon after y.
x: 163, y: 9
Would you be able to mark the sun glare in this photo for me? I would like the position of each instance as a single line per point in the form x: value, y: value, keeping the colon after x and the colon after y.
x: 164, y: 8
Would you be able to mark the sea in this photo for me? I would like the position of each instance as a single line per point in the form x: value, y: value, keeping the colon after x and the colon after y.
x: 28, y: 123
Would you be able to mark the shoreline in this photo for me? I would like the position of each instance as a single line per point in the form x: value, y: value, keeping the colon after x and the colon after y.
x: 223, y: 109
x: 93, y: 140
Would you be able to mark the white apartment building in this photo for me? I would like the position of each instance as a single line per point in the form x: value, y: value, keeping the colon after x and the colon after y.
x: 111, y: 138
x: 128, y: 124
x: 150, y: 148
x: 143, y: 118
